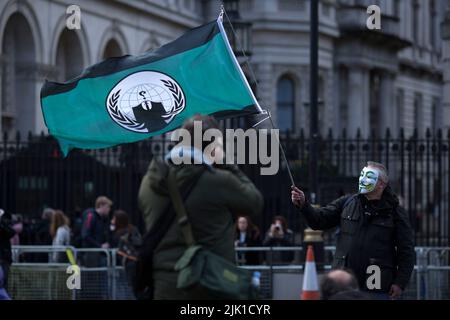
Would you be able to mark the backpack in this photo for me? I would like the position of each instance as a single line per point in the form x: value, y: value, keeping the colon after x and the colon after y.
x: 129, y: 244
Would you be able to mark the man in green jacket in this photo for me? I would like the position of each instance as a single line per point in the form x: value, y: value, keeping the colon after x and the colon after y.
x: 220, y: 194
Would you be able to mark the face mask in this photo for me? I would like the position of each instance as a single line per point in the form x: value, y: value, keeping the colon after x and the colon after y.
x: 112, y: 227
x: 368, y: 180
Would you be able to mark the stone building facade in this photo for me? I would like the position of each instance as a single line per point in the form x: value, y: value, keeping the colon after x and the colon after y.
x: 369, y: 79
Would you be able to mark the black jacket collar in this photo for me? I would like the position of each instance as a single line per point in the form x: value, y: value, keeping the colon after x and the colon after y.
x: 386, y: 204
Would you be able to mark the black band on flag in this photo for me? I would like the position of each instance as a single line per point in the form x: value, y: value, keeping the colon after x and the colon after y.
x: 246, y: 111
x: 193, y: 38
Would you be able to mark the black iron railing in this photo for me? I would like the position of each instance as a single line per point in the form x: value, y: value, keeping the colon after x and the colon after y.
x: 33, y: 174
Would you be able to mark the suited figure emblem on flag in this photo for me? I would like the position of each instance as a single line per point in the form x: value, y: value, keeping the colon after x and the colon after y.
x: 145, y: 101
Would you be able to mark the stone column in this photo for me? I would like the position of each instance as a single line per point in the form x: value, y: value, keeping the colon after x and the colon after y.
x: 31, y: 77
x: 27, y: 98
x: 446, y: 62
x: 41, y: 72
x: 2, y: 62
x: 387, y: 103
x: 358, y: 101
x: 7, y: 94
x: 266, y: 92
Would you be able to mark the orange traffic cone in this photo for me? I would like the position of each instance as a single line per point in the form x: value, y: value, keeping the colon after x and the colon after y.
x: 310, y: 284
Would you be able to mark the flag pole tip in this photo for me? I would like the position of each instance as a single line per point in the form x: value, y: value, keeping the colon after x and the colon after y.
x: 222, y: 10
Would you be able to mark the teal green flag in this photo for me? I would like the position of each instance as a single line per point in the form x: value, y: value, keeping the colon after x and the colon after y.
x: 130, y: 98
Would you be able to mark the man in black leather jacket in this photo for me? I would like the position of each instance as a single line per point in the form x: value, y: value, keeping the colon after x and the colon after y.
x: 373, y: 231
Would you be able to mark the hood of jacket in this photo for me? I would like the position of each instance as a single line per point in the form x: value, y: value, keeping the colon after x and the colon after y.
x: 187, y: 161
x: 390, y: 198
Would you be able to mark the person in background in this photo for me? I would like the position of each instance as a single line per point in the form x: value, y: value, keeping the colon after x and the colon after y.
x: 247, y: 235
x: 17, y: 226
x: 94, y: 232
x: 60, y: 232
x: 337, y: 281
x: 77, y: 225
x: 118, y: 227
x: 6, y: 233
x: 128, y: 240
x: 42, y: 235
x: 279, y: 235
x: 27, y: 236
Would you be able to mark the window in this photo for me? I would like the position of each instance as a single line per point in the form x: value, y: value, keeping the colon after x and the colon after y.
x: 436, y: 114
x: 415, y: 21
x: 286, y: 104
x: 419, y: 193
x: 374, y: 104
x: 18, y: 103
x: 433, y: 23
x: 397, y: 5
x: 400, y: 107
x: 7, y: 79
x: 417, y: 112
x: 437, y: 194
x: 326, y: 8
x: 291, y: 5
x: 32, y: 183
x: 343, y: 95
x: 321, y: 106
x: 69, y: 56
x: 112, y: 49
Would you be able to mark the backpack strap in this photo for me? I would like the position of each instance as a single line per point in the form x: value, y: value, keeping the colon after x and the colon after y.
x: 143, y: 284
x: 89, y: 216
x: 180, y: 209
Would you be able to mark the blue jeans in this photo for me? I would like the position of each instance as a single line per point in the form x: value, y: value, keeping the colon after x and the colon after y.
x: 3, y: 277
x: 4, y: 274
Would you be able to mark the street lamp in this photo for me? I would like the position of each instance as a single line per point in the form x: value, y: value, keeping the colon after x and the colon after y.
x: 314, y: 118
x: 240, y: 39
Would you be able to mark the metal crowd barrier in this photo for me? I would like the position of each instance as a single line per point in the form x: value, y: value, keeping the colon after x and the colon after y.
x: 32, y: 276
x: 432, y: 273
x: 430, y: 279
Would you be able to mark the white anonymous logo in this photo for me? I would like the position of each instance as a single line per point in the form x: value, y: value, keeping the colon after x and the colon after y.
x: 145, y: 101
